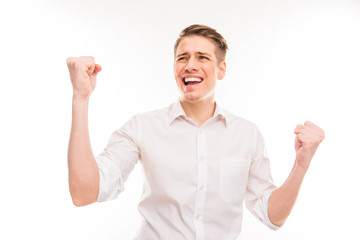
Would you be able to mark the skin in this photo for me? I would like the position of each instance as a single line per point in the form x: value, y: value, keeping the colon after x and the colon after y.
x: 308, y: 137
x: 199, y: 105
x: 195, y: 57
x: 83, y: 170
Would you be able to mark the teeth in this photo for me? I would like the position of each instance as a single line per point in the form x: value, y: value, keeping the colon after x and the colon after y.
x: 193, y: 80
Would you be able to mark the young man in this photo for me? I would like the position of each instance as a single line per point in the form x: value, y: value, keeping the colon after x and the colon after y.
x: 200, y: 161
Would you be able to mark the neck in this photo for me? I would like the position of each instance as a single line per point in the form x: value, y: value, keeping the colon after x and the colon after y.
x: 199, y: 111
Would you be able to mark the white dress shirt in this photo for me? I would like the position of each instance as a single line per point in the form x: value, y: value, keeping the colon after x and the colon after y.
x: 195, y: 178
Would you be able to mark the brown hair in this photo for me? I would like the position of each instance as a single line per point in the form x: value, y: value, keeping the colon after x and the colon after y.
x: 209, y: 33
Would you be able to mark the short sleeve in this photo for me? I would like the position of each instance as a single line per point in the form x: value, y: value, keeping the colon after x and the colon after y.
x: 260, y: 183
x: 118, y: 159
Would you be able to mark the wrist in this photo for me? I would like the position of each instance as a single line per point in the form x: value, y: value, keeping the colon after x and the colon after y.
x: 80, y: 103
x: 300, y: 168
x: 80, y: 98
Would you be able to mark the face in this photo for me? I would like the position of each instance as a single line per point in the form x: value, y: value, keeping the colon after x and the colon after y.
x: 196, y: 69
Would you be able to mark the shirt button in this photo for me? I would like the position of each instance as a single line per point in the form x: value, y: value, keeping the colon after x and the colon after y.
x: 201, y: 158
x: 202, y: 188
x: 199, y: 217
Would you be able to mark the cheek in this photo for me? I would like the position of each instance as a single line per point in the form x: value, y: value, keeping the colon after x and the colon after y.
x: 210, y: 69
x: 177, y: 74
x: 177, y: 71
x: 178, y: 66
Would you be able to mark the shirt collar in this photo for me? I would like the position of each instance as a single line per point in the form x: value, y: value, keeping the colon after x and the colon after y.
x: 176, y: 111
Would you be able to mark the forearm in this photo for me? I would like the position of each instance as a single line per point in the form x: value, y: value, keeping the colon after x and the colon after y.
x: 283, y: 199
x: 83, y: 170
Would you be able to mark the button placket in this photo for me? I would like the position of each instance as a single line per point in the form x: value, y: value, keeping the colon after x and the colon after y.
x: 201, y: 184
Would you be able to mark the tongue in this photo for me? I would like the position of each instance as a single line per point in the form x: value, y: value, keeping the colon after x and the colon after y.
x: 192, y: 83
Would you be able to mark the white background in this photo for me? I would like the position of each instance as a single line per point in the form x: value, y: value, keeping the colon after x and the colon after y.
x: 289, y: 61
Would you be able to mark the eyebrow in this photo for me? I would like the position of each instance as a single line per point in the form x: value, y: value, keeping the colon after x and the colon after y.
x: 204, y: 53
x: 182, y: 54
x: 198, y: 53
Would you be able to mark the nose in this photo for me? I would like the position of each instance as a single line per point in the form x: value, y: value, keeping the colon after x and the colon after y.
x: 192, y: 65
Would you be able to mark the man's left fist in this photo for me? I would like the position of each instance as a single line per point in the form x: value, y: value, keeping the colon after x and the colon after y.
x: 308, y: 138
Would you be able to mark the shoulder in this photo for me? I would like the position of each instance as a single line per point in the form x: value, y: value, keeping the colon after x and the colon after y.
x: 148, y: 121
x: 154, y: 118
x: 153, y: 114
x: 239, y: 122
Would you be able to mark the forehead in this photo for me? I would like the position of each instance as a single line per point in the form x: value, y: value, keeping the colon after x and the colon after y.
x: 195, y: 43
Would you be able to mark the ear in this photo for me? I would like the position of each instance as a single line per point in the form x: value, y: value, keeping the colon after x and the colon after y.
x: 222, y: 70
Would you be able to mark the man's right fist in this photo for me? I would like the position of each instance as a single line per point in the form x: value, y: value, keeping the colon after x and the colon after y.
x: 83, y: 71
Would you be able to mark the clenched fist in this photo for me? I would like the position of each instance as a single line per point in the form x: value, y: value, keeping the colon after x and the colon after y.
x: 308, y: 138
x: 83, y: 71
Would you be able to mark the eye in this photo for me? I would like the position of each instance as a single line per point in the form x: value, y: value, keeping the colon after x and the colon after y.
x: 181, y: 59
x: 203, y: 58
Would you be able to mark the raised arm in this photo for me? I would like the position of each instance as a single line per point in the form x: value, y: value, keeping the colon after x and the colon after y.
x: 282, y: 200
x: 83, y: 170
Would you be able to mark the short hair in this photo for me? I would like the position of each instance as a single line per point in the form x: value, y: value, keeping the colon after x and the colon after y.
x: 209, y: 33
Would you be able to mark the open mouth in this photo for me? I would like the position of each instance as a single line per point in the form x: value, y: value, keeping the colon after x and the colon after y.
x: 191, y: 80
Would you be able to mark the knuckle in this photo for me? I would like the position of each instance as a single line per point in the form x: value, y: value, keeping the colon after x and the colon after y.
x: 69, y: 60
x: 77, y: 64
x: 89, y: 58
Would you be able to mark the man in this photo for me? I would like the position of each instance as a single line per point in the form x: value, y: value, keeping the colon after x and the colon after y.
x: 200, y: 161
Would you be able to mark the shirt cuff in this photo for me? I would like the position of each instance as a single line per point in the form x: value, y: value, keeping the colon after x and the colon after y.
x: 269, y: 223
x: 110, y: 181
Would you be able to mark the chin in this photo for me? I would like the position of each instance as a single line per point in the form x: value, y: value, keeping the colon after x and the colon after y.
x: 192, y: 98
x: 189, y: 98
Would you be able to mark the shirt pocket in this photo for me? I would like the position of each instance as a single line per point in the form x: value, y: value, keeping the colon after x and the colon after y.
x: 233, y: 177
